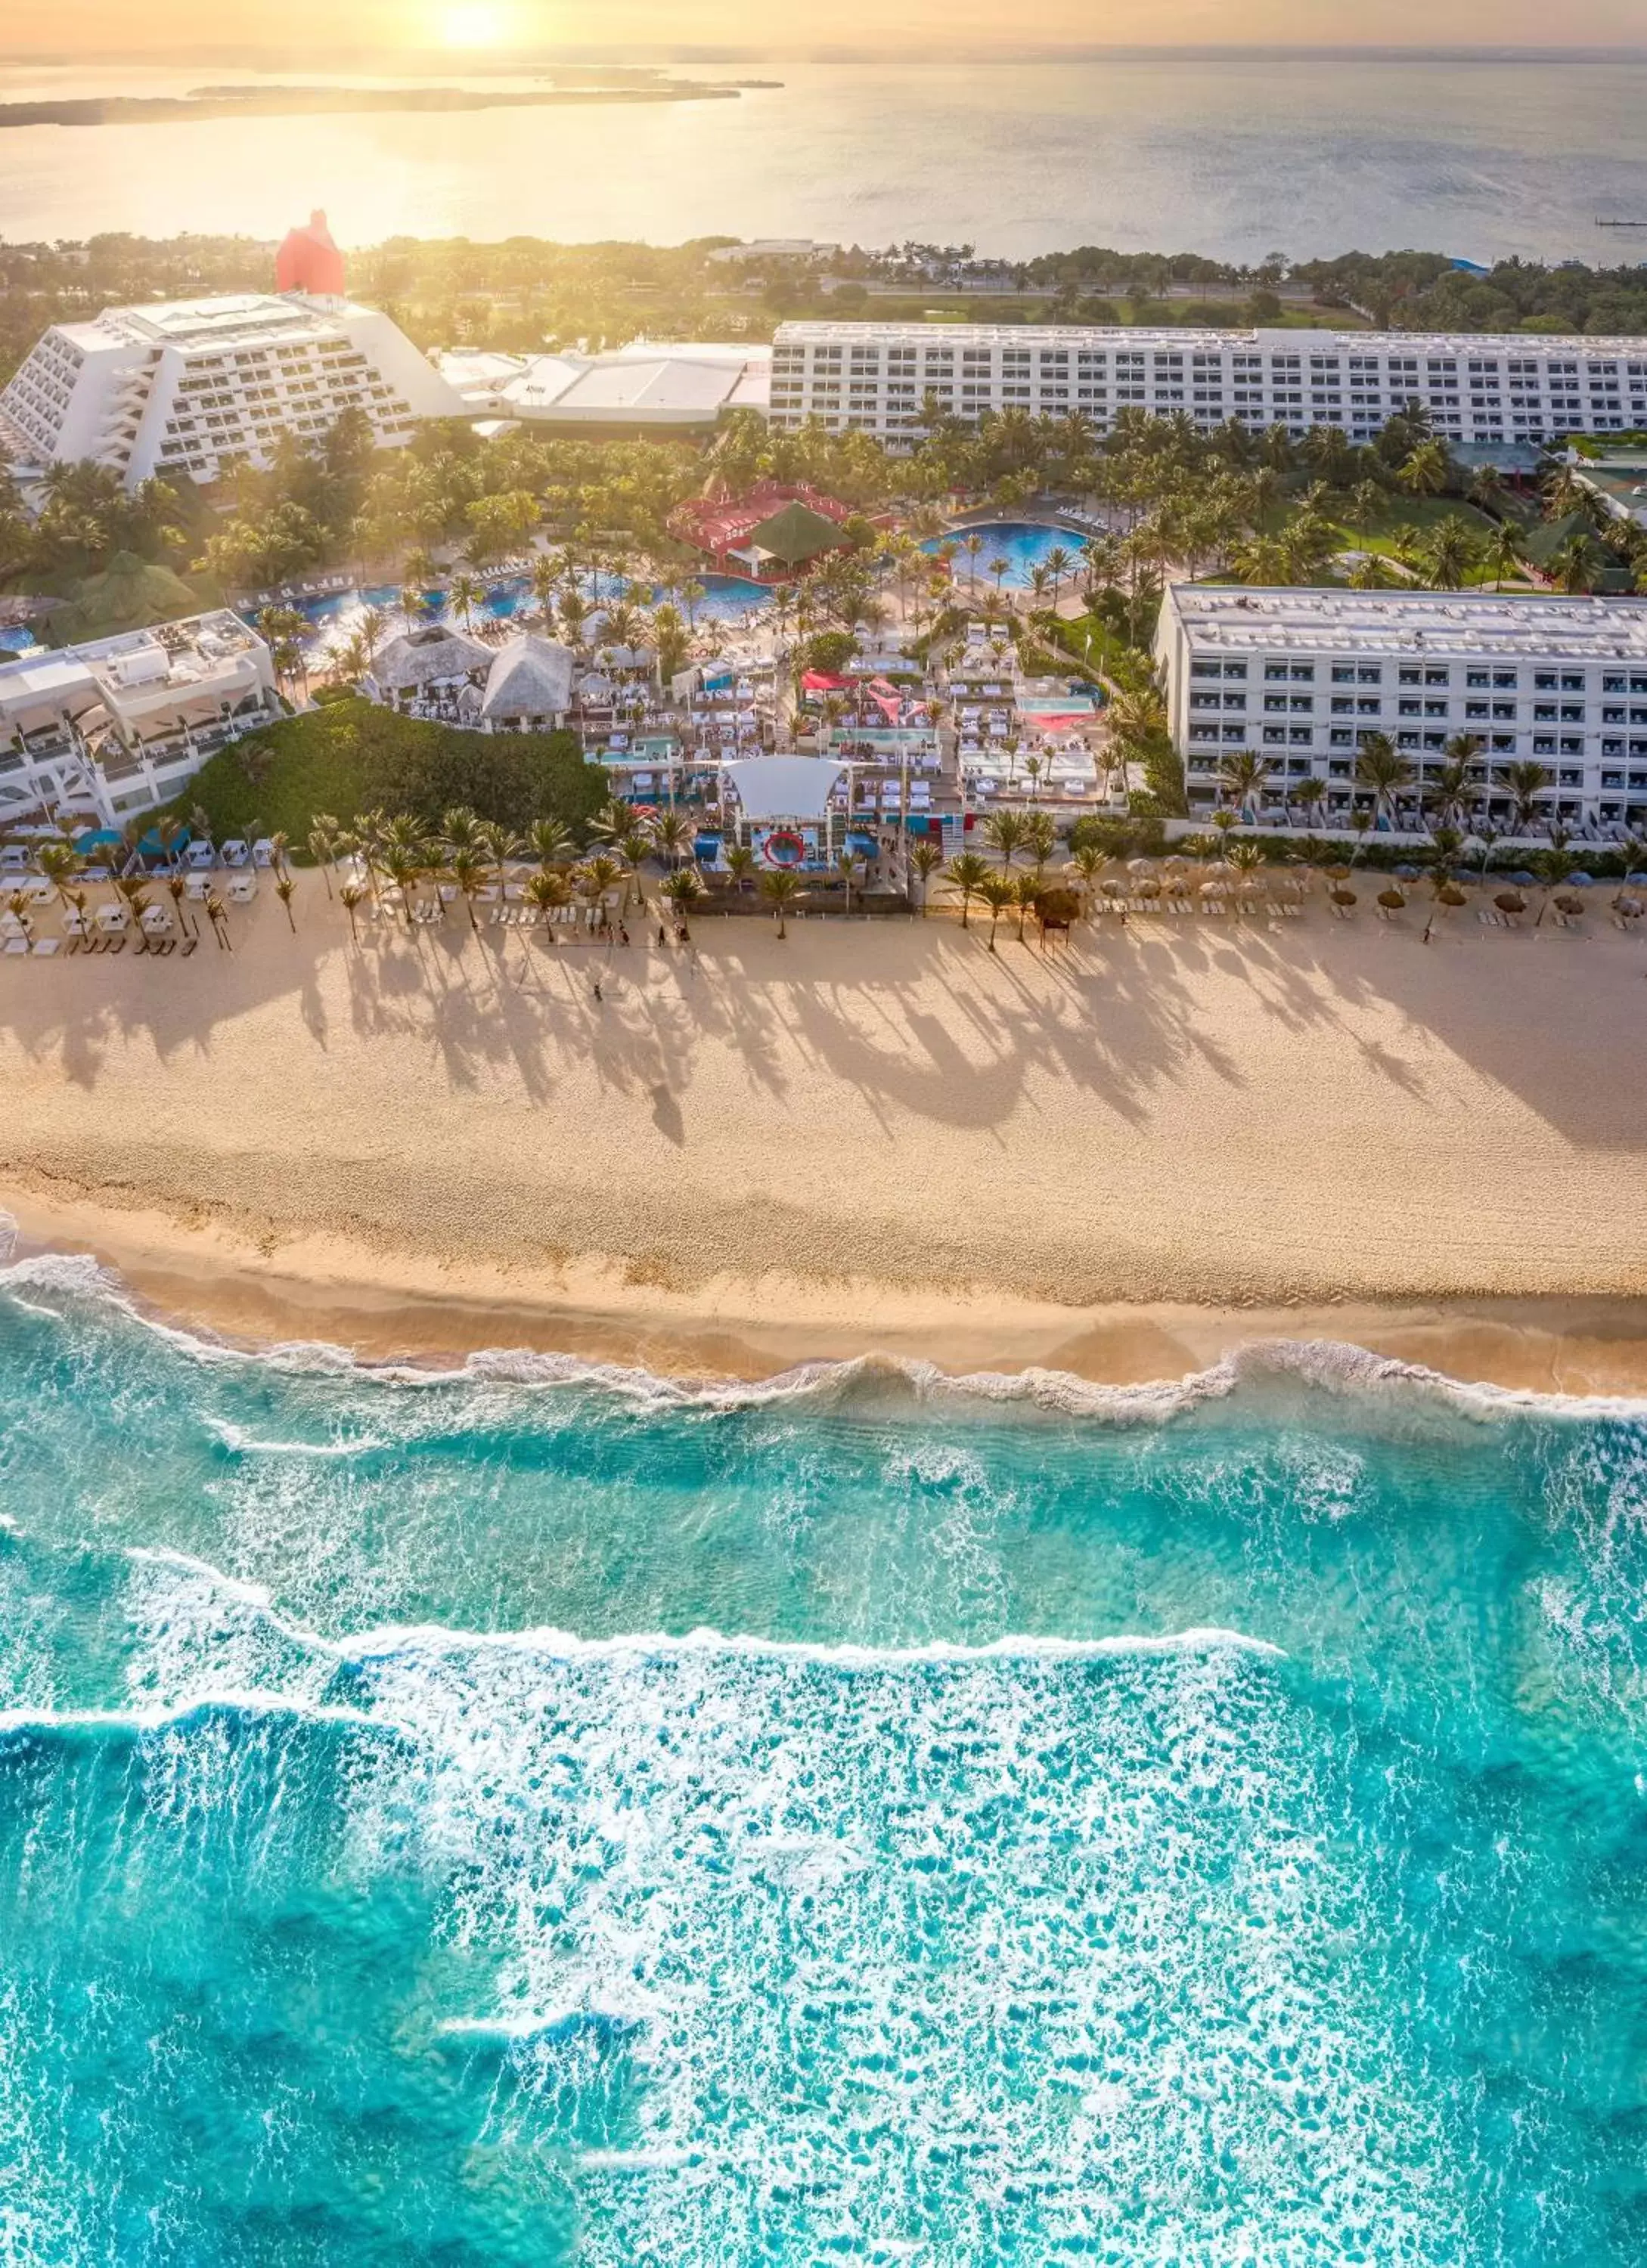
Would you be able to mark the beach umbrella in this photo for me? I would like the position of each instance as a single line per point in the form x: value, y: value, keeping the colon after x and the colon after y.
x: 1341, y: 896
x: 1337, y: 873
x: 1394, y: 899
x: 1150, y: 888
x: 1406, y: 874
x: 1451, y: 895
x: 1522, y: 879
x: 1141, y: 866
x: 1637, y: 876
x: 1214, y: 889
x: 1566, y: 901
x: 1581, y: 881
x: 1510, y: 902
x: 1629, y: 906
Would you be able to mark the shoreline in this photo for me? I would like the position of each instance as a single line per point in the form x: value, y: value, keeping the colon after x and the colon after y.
x: 1125, y: 1160
x: 398, y: 1311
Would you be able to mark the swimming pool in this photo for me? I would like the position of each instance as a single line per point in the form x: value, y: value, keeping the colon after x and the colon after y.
x: 1023, y: 545
x: 335, y: 617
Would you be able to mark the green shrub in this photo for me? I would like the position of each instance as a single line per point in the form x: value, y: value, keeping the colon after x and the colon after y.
x: 352, y: 756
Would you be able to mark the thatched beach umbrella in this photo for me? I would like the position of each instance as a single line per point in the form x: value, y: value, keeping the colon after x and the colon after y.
x: 1217, y: 888
x: 1393, y: 899
x: 1510, y: 902
x: 1628, y: 905
x: 1148, y: 888
x: 1336, y: 874
x: 1567, y: 901
x: 1451, y: 895
x: 1341, y: 896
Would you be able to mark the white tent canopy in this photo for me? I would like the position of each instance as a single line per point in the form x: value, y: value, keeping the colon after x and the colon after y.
x: 784, y: 787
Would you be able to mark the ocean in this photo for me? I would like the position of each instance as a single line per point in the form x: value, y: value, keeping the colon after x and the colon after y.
x: 539, y: 1814
x: 1233, y: 158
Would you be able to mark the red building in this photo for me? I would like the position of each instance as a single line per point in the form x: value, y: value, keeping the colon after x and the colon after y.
x: 799, y: 524
x: 309, y: 261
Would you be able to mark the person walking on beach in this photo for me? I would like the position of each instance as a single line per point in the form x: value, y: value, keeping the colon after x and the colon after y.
x: 597, y: 988
x: 662, y: 939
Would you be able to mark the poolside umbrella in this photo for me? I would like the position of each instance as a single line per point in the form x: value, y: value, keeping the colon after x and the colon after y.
x: 1341, y: 896
x: 1510, y: 902
x: 1394, y: 899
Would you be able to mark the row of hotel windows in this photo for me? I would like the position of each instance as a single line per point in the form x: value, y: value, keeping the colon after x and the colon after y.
x: 1372, y: 673
x: 1501, y: 744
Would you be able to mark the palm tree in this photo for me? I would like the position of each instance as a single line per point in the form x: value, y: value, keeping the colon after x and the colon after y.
x: 741, y: 864
x: 1003, y: 831
x: 673, y: 832
x: 547, y: 890
x: 285, y: 889
x: 1449, y: 794
x: 1503, y: 553
x: 849, y: 865
x: 682, y: 889
x: 1310, y: 794
x: 1380, y: 766
x: 964, y: 872
x: 1243, y: 774
x: 469, y: 872
x: 924, y: 858
x: 350, y: 896
x: 1452, y: 554
x: 1086, y: 864
x: 780, y: 889
x: 1040, y: 838
x: 614, y: 821
x: 404, y: 868
x: 1026, y: 889
x: 997, y: 894
x: 1524, y: 783
x: 548, y: 843
x: 1425, y: 472
x: 1555, y: 867
x: 466, y: 593
x: 325, y: 843
x: 596, y: 878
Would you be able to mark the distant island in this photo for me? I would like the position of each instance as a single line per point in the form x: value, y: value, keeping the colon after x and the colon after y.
x: 302, y: 101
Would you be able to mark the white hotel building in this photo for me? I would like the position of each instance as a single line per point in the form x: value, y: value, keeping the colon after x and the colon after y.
x: 1302, y: 677
x: 873, y: 378
x: 117, y: 726
x: 197, y: 386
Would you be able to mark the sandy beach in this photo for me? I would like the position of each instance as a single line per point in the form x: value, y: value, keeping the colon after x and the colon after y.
x: 1121, y: 1159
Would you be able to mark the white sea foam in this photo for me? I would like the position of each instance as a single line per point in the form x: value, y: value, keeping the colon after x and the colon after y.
x: 1330, y: 1366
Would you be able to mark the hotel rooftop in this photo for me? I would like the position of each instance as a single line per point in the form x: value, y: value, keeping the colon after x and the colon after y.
x: 1218, y: 616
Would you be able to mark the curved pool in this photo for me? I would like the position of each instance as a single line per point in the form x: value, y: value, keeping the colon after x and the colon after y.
x: 1024, y: 545
x: 334, y: 617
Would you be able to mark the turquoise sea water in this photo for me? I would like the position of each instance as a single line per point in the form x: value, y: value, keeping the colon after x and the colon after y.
x: 541, y: 1815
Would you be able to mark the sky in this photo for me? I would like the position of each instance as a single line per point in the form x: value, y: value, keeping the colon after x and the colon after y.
x: 310, y: 30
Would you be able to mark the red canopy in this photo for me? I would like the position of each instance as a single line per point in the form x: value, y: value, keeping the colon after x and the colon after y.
x: 817, y: 680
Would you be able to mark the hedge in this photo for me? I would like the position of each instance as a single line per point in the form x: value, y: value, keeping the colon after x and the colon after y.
x: 352, y: 756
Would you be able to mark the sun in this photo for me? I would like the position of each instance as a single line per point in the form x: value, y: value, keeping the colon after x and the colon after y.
x: 476, y: 23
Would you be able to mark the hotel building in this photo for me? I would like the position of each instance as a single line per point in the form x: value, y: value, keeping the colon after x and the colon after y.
x: 1302, y: 676
x: 116, y: 726
x: 873, y: 378
x: 199, y: 387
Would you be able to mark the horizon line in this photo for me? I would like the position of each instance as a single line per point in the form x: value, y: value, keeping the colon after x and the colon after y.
x: 655, y: 53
